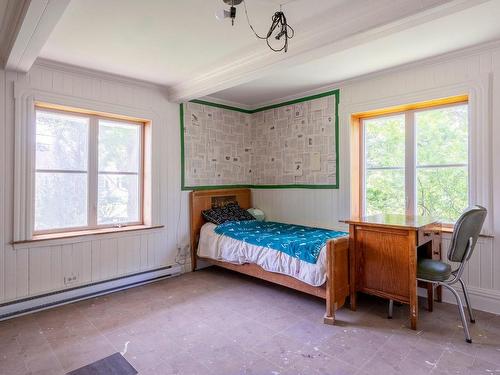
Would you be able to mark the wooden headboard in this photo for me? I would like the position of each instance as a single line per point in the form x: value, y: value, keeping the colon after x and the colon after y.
x: 205, y: 199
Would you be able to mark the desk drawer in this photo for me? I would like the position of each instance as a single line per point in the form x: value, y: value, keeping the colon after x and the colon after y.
x: 423, y: 236
x: 431, y: 238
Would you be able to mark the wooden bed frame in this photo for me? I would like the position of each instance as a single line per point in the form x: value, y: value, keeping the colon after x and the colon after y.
x: 334, y: 291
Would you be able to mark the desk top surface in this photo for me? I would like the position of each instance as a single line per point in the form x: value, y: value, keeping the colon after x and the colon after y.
x: 393, y: 220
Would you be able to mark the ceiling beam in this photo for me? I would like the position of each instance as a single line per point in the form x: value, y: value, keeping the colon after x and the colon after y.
x: 331, y: 34
x: 30, y: 30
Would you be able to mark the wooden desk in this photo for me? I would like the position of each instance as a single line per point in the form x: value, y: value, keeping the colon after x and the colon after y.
x: 383, y: 256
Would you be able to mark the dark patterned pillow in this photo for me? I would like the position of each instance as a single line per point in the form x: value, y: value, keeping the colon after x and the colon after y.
x: 230, y: 212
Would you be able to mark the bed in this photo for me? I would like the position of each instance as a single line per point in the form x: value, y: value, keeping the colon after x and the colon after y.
x: 326, y: 279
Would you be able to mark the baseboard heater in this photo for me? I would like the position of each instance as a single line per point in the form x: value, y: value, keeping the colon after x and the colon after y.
x: 45, y: 301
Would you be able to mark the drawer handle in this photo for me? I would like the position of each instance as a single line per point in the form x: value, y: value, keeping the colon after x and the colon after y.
x: 427, y: 234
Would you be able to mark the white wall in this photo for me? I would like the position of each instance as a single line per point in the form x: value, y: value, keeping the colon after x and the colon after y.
x: 477, y: 72
x: 37, y: 268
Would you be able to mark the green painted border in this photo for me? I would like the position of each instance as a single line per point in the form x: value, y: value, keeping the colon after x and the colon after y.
x: 335, y: 93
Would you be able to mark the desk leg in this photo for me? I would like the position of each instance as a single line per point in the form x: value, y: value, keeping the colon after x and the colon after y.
x: 412, y: 251
x: 352, y: 267
x: 439, y: 293
x: 430, y: 297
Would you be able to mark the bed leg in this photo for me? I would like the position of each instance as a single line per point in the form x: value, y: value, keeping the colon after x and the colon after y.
x: 329, y: 317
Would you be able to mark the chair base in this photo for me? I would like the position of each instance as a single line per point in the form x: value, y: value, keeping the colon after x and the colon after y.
x: 460, y: 305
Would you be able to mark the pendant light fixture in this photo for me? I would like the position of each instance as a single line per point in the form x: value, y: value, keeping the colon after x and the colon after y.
x: 279, y: 30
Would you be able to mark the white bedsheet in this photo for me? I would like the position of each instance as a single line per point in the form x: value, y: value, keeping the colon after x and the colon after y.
x: 219, y: 247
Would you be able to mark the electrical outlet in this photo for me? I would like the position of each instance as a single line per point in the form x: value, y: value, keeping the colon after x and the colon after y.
x: 70, y: 279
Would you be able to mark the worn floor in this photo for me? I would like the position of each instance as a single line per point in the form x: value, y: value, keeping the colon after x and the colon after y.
x: 217, y: 322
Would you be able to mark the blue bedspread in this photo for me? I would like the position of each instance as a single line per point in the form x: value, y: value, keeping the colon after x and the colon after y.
x: 298, y: 241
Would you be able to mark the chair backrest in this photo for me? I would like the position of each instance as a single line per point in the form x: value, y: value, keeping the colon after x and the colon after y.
x: 468, y: 226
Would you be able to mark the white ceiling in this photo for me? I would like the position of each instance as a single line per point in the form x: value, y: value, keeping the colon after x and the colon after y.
x: 181, y: 45
x: 162, y: 41
x: 465, y: 28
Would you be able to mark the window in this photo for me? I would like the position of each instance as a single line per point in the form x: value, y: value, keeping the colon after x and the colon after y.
x: 416, y: 161
x: 88, y: 171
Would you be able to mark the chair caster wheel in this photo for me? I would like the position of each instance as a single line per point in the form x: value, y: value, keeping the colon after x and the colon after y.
x: 473, y: 320
x: 389, y: 317
x: 469, y: 341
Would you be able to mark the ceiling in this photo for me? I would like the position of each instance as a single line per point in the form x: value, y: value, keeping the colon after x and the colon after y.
x: 465, y: 28
x: 180, y: 44
x: 163, y: 41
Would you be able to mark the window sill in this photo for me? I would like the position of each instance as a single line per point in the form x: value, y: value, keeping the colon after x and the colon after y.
x: 84, y: 233
x: 447, y: 228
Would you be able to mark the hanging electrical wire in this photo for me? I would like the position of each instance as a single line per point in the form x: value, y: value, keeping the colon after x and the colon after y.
x: 278, y: 22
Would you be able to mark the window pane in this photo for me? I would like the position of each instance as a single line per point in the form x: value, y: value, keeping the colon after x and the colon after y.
x: 442, y: 136
x: 61, y: 141
x: 442, y: 192
x: 60, y: 200
x: 385, y: 191
x: 118, y: 199
x: 442, y: 139
x: 385, y: 141
x: 119, y: 147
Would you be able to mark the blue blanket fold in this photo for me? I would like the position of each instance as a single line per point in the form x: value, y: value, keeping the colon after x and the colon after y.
x: 298, y: 241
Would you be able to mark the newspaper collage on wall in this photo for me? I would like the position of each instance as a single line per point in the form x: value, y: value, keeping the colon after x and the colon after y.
x: 293, y: 144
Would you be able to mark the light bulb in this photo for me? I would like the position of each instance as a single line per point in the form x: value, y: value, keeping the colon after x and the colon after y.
x: 220, y: 14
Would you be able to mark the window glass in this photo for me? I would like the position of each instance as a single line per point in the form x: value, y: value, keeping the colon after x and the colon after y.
x: 118, y: 200
x: 61, y: 178
x: 61, y: 141
x: 384, y: 141
x: 119, y: 147
x: 119, y: 167
x: 60, y: 200
x: 442, y: 162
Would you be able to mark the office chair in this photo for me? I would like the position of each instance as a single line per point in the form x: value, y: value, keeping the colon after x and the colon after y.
x: 465, y: 234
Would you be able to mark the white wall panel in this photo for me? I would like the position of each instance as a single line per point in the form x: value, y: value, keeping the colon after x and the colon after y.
x: 39, y: 267
x: 2, y: 182
x: 144, y: 252
x: 96, y: 260
x: 22, y: 273
x: 9, y: 274
x: 108, y: 258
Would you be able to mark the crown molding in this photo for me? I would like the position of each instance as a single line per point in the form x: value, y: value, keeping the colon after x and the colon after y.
x: 362, y: 24
x: 98, y: 74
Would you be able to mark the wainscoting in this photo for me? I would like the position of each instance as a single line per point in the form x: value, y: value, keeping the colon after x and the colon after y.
x: 482, y: 275
x: 48, y: 266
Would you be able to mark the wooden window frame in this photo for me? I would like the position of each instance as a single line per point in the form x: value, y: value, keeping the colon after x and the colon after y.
x: 93, y: 169
x: 358, y: 152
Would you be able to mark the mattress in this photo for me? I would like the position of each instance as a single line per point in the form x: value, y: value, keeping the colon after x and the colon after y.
x: 223, y: 248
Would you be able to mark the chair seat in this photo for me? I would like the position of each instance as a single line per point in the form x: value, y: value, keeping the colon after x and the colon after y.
x: 433, y: 270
